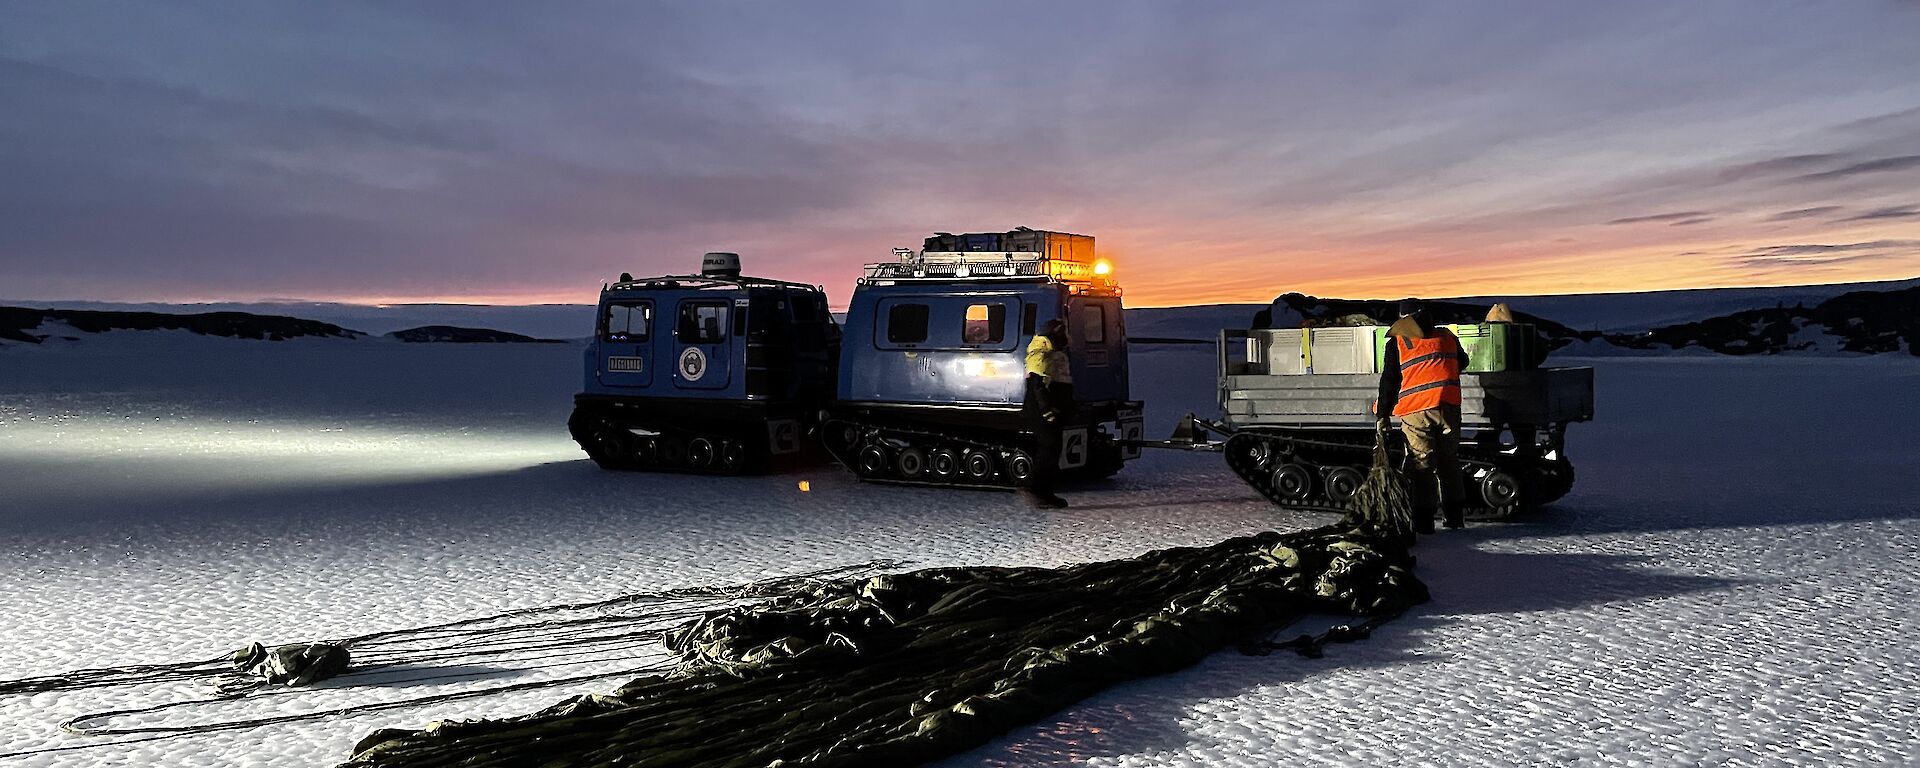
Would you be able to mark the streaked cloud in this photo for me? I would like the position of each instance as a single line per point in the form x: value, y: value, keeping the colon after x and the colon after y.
x: 1896, y: 212
x: 1882, y: 165
x: 1805, y: 213
x: 1828, y: 255
x: 1677, y: 218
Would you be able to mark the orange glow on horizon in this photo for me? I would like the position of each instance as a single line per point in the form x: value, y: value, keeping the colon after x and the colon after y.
x: 1378, y: 265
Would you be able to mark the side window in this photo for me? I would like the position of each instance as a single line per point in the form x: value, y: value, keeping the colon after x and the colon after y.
x: 986, y: 324
x: 907, y: 323
x: 702, y: 322
x: 1030, y: 320
x: 766, y: 318
x: 805, y: 308
x: 627, y: 322
x: 1093, y: 323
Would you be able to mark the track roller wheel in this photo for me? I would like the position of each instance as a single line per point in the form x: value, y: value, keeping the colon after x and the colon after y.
x: 873, y: 461
x: 944, y: 463
x: 1020, y: 466
x: 978, y: 465
x: 1292, y: 482
x: 700, y: 453
x: 647, y: 449
x: 912, y: 463
x: 673, y: 452
x: 612, y: 447
x: 1500, y: 491
x: 1343, y: 483
x: 733, y: 456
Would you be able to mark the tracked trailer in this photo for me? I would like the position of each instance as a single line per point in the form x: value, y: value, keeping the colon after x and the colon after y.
x: 710, y: 373
x: 1297, y: 416
x: 932, y: 369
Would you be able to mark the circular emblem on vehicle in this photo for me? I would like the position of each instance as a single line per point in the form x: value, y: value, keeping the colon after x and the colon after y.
x: 693, y: 364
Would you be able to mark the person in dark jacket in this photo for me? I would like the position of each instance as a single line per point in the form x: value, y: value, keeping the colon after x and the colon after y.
x: 1420, y: 383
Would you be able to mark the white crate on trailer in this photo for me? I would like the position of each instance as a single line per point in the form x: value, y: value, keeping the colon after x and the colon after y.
x: 1342, y: 349
x: 1279, y: 351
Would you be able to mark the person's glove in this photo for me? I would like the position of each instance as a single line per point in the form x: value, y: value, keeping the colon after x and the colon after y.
x: 1381, y: 423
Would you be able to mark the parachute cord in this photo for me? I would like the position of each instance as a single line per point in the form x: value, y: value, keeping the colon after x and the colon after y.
x: 636, y: 620
x: 1314, y: 646
x: 79, y: 725
x: 156, y: 733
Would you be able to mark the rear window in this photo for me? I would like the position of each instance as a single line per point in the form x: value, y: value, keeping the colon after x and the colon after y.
x: 807, y: 308
x: 907, y: 323
x: 702, y: 322
x: 627, y: 322
x: 985, y: 324
x: 1093, y: 323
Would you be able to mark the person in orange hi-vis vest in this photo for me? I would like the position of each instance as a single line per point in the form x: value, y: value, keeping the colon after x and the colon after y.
x: 1420, y: 383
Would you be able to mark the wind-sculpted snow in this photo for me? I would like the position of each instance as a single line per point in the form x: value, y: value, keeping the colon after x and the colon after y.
x: 1729, y: 583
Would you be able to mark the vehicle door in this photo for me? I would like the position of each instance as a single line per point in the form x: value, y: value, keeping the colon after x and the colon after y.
x: 626, y: 343
x: 1097, y: 341
x: 703, y: 344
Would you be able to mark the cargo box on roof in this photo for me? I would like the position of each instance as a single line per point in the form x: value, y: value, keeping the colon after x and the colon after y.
x: 945, y: 242
x: 981, y: 241
x: 1059, y: 246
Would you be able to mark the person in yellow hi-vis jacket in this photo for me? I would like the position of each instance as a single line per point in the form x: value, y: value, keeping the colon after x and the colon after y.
x: 1049, y: 398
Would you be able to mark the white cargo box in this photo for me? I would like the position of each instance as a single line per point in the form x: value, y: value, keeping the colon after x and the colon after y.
x: 1342, y: 349
x: 1278, y: 351
x: 1301, y: 351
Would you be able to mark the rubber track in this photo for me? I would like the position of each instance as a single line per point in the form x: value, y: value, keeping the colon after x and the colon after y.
x: 585, y: 431
x: 1360, y: 447
x: 927, y: 440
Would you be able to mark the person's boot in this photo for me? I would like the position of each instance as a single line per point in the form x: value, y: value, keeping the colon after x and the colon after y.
x: 1039, y: 499
x: 1456, y: 517
x: 1425, y: 497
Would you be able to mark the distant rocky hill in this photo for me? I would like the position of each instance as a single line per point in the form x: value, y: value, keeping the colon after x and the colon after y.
x: 31, y: 325
x: 1869, y: 322
x: 543, y: 321
x: 457, y: 335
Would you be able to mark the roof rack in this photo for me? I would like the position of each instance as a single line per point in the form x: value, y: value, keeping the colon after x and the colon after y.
x: 704, y: 283
x: 981, y: 265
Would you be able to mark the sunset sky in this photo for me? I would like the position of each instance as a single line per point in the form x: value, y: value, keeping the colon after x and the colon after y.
x: 518, y: 152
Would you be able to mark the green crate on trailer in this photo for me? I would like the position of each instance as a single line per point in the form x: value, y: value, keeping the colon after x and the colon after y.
x: 1490, y: 346
x: 1496, y: 346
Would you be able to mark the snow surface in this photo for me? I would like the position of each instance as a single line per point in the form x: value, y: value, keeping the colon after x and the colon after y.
x: 1731, y: 582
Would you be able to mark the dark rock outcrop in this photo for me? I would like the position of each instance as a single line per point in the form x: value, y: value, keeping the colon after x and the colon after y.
x: 1869, y: 322
x: 449, y: 334
x: 19, y: 324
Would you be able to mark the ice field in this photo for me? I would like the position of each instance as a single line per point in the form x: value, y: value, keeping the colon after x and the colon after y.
x: 1731, y: 582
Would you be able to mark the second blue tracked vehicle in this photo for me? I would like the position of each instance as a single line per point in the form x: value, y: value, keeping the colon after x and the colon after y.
x: 932, y: 369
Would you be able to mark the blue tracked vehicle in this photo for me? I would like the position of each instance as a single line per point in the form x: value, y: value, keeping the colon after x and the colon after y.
x: 713, y: 373
x: 932, y: 368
